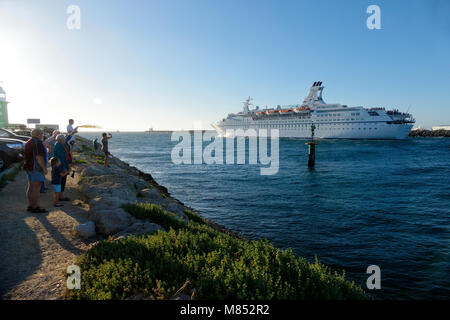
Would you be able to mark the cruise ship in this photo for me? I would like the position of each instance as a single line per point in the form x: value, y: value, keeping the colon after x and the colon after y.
x: 331, y: 121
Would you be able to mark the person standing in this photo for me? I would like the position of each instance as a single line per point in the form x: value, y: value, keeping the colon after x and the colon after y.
x: 50, y: 143
x: 57, y: 174
x: 71, y: 131
x: 34, y: 165
x: 62, y: 152
x: 105, y: 139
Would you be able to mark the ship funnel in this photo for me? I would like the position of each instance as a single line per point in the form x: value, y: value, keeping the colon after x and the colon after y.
x: 314, y: 84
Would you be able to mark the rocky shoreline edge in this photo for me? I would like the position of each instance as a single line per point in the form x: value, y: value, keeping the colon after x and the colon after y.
x: 105, y: 190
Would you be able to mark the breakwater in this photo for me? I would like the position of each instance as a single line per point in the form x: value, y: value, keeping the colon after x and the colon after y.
x: 430, y: 133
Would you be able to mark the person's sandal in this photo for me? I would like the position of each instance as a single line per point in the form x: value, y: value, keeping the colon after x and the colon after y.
x: 58, y: 205
x: 64, y: 199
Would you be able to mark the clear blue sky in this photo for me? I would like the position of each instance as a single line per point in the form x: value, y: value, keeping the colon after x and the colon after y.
x: 168, y: 63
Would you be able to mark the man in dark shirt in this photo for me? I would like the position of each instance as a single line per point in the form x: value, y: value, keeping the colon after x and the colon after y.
x: 35, y: 168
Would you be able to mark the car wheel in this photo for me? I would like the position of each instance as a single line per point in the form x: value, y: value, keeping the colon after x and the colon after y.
x: 3, y: 162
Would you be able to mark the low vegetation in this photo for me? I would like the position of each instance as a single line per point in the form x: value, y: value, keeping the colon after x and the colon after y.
x: 218, y: 265
x: 80, y: 161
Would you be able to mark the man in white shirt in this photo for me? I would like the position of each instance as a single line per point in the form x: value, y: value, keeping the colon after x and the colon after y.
x: 71, y: 131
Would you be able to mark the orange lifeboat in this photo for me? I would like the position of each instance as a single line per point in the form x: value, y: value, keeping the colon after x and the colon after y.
x: 272, y: 111
x: 302, y: 109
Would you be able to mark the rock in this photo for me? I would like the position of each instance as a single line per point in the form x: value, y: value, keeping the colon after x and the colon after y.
x: 152, y: 195
x: 95, y: 170
x: 111, y: 186
x: 77, y: 203
x: 85, y: 230
x: 105, y: 203
x: 111, y: 221
x: 429, y: 133
x: 176, y: 209
x: 138, y: 228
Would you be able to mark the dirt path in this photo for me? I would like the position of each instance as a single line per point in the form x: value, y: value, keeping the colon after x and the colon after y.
x: 36, y: 249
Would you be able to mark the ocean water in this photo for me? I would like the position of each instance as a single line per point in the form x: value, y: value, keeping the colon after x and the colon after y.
x: 383, y: 203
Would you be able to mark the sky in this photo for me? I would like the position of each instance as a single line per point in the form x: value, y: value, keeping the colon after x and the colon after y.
x: 166, y: 64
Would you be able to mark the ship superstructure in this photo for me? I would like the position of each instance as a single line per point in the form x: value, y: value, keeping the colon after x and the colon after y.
x: 332, y: 121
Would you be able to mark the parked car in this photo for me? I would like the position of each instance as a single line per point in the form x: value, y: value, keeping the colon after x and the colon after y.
x: 11, y: 135
x: 11, y: 150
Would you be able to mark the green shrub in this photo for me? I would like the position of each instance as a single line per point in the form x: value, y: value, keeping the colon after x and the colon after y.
x: 218, y: 265
x: 155, y: 213
x: 193, y: 216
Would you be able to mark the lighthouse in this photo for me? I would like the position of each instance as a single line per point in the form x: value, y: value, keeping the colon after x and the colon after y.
x: 3, y: 109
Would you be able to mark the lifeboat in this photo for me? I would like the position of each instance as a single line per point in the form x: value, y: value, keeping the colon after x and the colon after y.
x: 302, y: 109
x: 285, y: 111
x: 260, y: 113
x: 272, y: 111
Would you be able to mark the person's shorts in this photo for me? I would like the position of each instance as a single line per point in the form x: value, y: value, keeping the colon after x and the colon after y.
x: 56, y: 187
x: 106, y: 153
x: 35, y: 176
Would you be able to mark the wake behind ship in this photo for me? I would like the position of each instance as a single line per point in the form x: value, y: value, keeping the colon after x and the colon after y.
x: 331, y: 121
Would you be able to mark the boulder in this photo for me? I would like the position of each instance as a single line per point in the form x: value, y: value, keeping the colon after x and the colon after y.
x: 95, y: 170
x: 105, y: 203
x: 111, y: 221
x: 85, y: 230
x: 152, y: 195
x: 176, y: 209
x: 108, y: 186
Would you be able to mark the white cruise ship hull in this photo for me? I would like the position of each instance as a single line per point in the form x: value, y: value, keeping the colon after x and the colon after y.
x: 332, y: 131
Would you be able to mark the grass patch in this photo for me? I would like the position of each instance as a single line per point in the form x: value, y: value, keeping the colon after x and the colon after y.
x: 218, y: 265
x: 80, y: 161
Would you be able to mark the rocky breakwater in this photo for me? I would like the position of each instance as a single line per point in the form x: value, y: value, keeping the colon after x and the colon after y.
x: 106, y: 189
x: 429, y: 133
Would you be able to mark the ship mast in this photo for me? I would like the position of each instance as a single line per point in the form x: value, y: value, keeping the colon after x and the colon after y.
x: 247, y: 104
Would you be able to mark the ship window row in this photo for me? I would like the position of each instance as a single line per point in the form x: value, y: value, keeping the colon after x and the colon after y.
x: 337, y: 114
